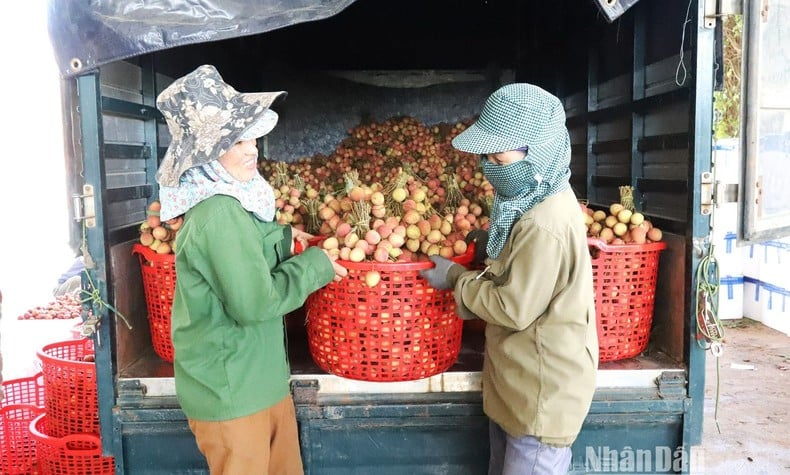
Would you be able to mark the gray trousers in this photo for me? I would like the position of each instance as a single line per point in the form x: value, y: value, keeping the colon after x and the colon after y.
x: 524, y: 455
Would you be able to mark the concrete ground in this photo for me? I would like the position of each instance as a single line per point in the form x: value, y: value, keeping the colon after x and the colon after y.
x: 753, y: 434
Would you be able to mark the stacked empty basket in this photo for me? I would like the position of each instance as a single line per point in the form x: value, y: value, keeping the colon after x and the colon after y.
x: 625, y: 283
x: 398, y: 330
x: 67, y: 435
x: 159, y: 284
x: 24, y: 401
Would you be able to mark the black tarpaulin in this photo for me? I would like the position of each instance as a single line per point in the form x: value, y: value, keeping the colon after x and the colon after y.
x: 88, y: 34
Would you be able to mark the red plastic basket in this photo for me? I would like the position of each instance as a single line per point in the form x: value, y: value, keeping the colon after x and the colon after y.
x: 399, y: 330
x: 159, y: 284
x: 24, y: 391
x: 70, y: 396
x: 24, y: 400
x: 625, y: 284
x: 76, y: 454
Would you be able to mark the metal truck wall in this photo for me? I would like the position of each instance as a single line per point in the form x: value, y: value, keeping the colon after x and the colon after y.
x: 430, y: 433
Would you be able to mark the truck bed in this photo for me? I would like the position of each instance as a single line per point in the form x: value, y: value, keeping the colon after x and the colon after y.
x: 464, y: 375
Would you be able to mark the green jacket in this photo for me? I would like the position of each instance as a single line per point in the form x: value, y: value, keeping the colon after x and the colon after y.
x: 236, y: 279
x: 541, y: 351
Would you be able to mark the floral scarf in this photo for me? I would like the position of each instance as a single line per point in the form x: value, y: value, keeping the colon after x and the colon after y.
x: 204, y: 181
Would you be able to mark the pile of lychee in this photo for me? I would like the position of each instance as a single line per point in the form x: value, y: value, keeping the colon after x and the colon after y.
x: 620, y: 225
x: 157, y: 235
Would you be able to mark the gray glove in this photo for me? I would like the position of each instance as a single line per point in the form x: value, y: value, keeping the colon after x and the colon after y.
x: 480, y: 238
x: 444, y: 274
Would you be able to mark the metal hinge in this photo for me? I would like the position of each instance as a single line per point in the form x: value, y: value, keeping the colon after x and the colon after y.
x: 84, y: 207
x: 671, y: 385
x: 718, y: 8
x: 715, y: 193
x: 706, y: 193
x: 90, y: 326
x: 305, y: 391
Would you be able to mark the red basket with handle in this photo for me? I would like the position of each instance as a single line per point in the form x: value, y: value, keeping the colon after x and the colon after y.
x: 23, y: 402
x: 24, y: 391
x: 75, y: 454
x: 625, y: 285
x: 159, y: 285
x: 70, y: 395
x: 401, y: 329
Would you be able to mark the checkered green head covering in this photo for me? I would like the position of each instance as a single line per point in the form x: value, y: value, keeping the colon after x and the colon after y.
x: 515, y: 116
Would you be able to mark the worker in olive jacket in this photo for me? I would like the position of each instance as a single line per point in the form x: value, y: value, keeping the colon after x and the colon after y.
x: 536, y: 293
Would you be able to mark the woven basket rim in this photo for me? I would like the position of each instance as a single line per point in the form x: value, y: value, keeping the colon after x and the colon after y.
x: 39, y: 425
x: 150, y: 255
x: 85, y: 343
x: 626, y: 248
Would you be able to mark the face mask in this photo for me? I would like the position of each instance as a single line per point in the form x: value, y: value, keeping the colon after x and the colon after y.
x: 508, y: 180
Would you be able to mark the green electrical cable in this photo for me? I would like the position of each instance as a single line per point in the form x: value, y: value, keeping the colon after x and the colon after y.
x: 93, y: 294
x: 708, y: 323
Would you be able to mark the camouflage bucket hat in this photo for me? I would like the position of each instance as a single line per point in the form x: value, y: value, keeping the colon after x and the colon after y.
x: 512, y: 117
x: 206, y: 117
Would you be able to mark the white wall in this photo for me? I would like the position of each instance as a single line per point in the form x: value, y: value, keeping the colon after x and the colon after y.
x: 34, y: 237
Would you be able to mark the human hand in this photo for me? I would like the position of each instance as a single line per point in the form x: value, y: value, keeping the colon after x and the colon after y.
x: 480, y: 238
x: 302, y: 237
x: 340, y: 271
x: 438, y: 276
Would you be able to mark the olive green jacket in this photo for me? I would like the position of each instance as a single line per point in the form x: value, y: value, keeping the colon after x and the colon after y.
x: 541, y: 351
x: 235, y: 279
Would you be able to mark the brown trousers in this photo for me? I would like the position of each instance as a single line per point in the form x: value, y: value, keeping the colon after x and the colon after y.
x: 265, y: 443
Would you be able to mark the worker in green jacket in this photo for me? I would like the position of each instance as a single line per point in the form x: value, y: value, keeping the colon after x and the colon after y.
x: 536, y: 293
x: 236, y: 277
